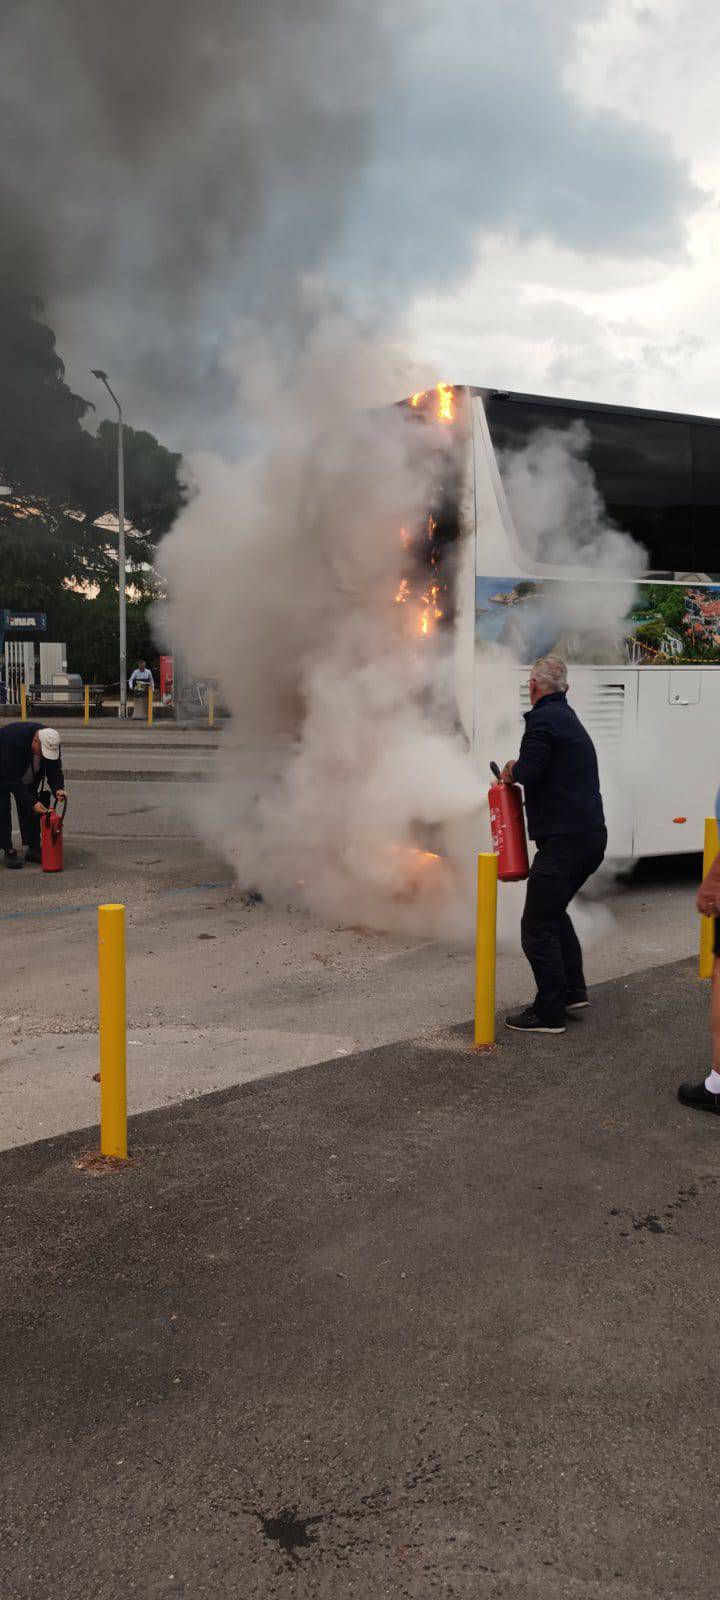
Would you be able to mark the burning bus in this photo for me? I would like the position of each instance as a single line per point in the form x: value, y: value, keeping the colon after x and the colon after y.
x: 589, y: 531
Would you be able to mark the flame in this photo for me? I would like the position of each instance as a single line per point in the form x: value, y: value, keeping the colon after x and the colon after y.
x: 445, y: 402
x: 425, y: 609
x: 415, y: 870
x: 416, y: 398
x: 421, y: 858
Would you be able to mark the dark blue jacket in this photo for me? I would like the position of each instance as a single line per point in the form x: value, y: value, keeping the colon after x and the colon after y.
x: 16, y: 759
x: 558, y: 770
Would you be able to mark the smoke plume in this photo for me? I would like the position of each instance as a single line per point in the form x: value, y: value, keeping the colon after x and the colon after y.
x: 563, y: 523
x: 292, y: 579
x: 166, y: 168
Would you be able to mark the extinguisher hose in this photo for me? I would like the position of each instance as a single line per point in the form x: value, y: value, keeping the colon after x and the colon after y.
x: 494, y: 768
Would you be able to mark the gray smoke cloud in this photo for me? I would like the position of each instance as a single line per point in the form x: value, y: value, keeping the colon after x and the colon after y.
x: 166, y: 167
x: 563, y: 522
x: 307, y: 606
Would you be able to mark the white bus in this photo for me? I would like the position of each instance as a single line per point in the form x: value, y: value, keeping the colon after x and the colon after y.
x: 648, y: 687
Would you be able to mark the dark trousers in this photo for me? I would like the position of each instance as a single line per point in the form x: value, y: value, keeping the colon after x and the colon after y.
x: 24, y: 798
x: 562, y: 865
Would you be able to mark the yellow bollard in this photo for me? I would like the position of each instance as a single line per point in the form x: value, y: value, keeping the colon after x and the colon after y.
x: 485, y: 950
x: 23, y: 702
x: 113, y: 1073
x: 150, y: 705
x: 707, y: 928
x: 211, y: 708
x: 86, y: 712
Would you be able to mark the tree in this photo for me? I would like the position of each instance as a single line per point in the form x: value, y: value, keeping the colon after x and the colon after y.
x: 64, y: 478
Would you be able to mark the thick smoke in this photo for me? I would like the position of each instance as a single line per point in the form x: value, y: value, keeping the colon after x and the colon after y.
x: 563, y: 523
x: 284, y: 573
x: 168, y: 167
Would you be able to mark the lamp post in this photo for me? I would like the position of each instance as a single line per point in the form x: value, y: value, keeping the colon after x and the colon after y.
x: 97, y: 372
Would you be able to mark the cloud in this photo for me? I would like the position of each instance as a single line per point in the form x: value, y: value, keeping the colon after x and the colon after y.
x: 486, y: 133
x: 545, y: 321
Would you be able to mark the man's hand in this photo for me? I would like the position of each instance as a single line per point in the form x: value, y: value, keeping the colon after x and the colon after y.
x: 708, y: 900
x: 506, y: 776
x: 708, y: 895
x: 60, y: 795
x: 39, y: 809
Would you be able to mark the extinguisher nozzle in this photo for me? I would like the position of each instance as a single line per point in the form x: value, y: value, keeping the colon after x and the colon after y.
x: 494, y: 768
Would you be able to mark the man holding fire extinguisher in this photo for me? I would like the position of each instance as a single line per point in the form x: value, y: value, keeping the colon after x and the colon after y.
x: 558, y: 770
x: 30, y: 757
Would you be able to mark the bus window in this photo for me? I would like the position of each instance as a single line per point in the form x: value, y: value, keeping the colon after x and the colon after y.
x: 642, y: 467
x: 706, y: 507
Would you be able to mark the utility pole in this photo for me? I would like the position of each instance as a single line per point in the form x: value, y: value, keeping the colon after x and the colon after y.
x: 122, y: 711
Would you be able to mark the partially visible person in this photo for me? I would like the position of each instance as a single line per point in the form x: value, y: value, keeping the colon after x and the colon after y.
x: 558, y: 770
x: 140, y: 681
x: 705, y: 1096
x: 30, y: 760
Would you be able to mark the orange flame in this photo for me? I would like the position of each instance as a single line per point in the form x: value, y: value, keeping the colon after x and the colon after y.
x: 416, y: 871
x: 403, y: 593
x: 416, y: 398
x: 445, y: 402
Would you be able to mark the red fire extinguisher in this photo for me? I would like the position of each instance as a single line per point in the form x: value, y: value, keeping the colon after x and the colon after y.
x: 51, y: 838
x: 507, y: 826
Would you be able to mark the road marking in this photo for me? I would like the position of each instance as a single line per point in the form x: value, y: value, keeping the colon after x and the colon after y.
x: 90, y: 905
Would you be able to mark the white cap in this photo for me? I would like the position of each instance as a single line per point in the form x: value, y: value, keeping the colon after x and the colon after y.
x: 49, y: 743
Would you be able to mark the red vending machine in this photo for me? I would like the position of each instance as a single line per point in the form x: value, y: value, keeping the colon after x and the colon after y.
x: 166, y: 679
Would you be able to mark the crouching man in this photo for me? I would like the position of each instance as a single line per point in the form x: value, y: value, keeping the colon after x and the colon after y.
x: 558, y: 770
x: 30, y: 760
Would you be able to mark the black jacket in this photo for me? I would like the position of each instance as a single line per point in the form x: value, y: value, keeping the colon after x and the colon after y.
x: 16, y: 759
x: 558, y: 770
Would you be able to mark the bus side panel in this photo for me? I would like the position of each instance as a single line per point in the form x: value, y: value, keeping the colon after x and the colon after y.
x: 676, y: 771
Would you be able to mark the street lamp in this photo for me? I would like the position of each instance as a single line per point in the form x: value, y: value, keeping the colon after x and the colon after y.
x: 97, y: 372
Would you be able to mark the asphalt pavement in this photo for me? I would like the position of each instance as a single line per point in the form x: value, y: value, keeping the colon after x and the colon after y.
x: 223, y: 988
x: 420, y: 1321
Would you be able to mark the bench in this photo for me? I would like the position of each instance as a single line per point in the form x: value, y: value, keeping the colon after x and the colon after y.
x: 60, y: 697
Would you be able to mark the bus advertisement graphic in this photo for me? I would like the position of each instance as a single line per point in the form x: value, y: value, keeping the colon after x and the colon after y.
x: 665, y: 623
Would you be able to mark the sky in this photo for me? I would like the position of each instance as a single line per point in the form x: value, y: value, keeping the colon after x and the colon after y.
x: 520, y: 195
x: 626, y: 311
